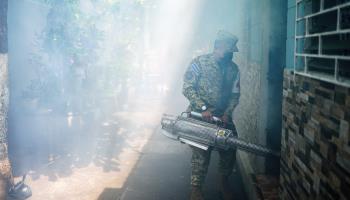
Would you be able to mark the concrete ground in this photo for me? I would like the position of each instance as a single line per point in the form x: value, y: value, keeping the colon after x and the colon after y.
x: 163, y: 172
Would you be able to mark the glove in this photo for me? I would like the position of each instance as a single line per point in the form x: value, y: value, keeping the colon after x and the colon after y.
x: 207, y: 116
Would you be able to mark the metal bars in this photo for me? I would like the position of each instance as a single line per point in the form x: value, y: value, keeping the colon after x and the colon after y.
x: 333, y: 47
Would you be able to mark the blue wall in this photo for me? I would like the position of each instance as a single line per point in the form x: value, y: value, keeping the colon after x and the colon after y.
x: 290, y: 34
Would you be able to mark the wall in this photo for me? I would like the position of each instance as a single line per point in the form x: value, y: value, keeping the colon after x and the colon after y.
x: 315, y: 160
x: 250, y: 61
x: 261, y: 62
x: 315, y: 154
x: 5, y: 169
x: 290, y: 34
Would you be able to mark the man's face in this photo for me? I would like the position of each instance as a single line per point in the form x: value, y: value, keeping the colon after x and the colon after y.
x: 228, y: 55
x: 225, y: 52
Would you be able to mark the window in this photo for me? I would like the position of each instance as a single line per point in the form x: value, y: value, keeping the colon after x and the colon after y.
x: 322, y: 41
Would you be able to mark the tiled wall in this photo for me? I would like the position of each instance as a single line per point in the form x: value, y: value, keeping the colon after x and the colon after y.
x: 315, y: 150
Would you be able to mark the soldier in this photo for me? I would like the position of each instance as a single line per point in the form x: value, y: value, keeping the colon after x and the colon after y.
x: 212, y: 85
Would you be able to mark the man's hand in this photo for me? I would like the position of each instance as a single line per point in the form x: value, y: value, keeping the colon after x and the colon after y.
x: 225, y: 120
x: 207, y: 116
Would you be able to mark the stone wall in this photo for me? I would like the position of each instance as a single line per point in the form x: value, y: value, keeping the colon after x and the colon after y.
x: 315, y: 150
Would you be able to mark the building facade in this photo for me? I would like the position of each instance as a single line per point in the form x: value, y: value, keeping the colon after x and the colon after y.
x: 315, y: 162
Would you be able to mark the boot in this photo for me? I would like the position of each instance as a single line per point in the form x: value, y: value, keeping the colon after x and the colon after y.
x: 225, y: 188
x: 196, y: 193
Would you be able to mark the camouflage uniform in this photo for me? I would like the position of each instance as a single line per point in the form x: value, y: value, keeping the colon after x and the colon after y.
x: 215, y: 86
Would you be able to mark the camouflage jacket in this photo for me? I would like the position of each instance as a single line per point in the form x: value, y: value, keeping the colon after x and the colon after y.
x: 206, y: 83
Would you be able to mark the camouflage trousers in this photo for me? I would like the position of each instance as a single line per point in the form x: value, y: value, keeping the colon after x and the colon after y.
x: 200, y: 163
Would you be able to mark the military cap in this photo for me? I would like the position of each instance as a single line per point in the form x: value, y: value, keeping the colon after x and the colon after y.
x: 228, y: 38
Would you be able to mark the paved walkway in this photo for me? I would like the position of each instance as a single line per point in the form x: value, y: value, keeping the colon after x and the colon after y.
x: 163, y: 172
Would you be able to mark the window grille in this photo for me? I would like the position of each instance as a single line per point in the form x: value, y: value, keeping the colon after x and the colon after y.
x: 322, y: 40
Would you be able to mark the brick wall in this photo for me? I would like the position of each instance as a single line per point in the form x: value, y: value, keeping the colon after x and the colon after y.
x: 315, y: 150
